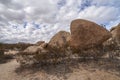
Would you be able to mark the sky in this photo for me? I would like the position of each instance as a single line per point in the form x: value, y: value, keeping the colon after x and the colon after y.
x: 38, y: 20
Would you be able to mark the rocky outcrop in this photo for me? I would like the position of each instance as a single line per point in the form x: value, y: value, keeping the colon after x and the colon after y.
x: 86, y: 34
x: 112, y: 46
x: 86, y: 40
x: 115, y: 31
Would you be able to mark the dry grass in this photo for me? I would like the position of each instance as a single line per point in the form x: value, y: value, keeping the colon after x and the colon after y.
x: 66, y: 69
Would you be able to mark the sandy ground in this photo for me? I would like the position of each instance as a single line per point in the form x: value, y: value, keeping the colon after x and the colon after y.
x: 7, y: 70
x: 72, y: 70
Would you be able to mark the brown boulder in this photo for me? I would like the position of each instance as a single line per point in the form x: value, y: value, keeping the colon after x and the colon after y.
x: 59, y: 41
x: 115, y: 31
x: 86, y: 34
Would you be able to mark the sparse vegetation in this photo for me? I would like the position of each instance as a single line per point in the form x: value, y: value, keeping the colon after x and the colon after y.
x: 19, y: 46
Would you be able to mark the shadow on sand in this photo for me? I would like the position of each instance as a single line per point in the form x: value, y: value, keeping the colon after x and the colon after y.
x: 5, y: 59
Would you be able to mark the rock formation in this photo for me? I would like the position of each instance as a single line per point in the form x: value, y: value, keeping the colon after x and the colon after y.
x: 86, y: 34
x: 115, y: 31
x: 112, y: 46
x: 86, y: 39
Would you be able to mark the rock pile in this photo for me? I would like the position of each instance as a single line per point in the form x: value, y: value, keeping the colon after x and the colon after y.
x: 115, y: 31
x: 86, y: 39
x: 112, y: 45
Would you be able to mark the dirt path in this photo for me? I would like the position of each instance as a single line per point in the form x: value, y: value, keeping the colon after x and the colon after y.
x: 72, y: 71
x: 7, y: 70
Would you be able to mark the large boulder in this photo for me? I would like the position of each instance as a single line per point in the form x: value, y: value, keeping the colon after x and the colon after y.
x: 115, y: 31
x: 86, y: 34
x: 59, y: 41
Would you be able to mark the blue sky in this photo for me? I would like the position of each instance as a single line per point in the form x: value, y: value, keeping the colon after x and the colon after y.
x: 35, y: 20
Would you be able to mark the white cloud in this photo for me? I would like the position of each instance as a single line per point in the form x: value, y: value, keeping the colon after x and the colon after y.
x: 101, y: 14
x: 34, y: 20
x: 115, y: 3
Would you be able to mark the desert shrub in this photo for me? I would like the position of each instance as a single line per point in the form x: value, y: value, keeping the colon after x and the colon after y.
x: 19, y: 46
x: 1, y: 53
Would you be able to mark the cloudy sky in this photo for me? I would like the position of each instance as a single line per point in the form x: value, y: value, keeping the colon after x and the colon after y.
x: 35, y: 20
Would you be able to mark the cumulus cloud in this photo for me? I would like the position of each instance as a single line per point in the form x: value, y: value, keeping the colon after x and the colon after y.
x: 35, y: 20
x: 102, y: 14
